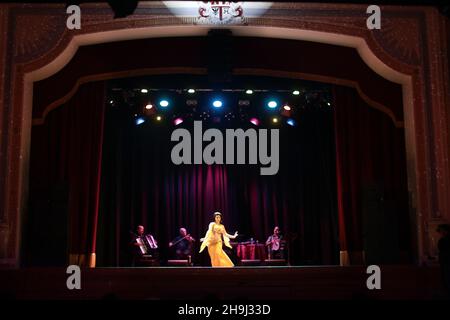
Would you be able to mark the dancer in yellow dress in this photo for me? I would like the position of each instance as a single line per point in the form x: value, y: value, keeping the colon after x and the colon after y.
x: 213, y: 240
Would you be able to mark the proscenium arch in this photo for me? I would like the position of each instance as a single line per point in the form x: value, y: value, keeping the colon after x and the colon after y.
x: 358, y: 43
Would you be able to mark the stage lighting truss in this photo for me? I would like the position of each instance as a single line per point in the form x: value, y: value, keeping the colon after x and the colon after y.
x: 263, y: 107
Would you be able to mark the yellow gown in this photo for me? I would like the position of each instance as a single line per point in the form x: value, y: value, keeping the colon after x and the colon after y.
x: 213, y: 240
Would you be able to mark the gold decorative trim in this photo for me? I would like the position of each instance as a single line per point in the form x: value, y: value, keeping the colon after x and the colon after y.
x: 92, y: 260
x: 343, y: 258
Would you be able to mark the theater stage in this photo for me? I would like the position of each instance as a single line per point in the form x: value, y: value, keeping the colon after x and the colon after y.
x: 200, y: 283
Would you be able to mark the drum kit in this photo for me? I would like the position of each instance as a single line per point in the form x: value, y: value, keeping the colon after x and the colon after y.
x: 277, y: 244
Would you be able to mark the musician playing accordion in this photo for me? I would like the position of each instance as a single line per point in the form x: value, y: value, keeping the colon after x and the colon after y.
x: 183, y: 245
x: 144, y: 245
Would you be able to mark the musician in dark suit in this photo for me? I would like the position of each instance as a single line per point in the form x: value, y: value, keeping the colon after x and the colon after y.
x: 183, y: 245
x: 143, y: 245
x: 275, y: 244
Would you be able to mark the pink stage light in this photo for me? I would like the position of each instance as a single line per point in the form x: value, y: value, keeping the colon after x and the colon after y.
x: 178, y: 121
x: 255, y: 121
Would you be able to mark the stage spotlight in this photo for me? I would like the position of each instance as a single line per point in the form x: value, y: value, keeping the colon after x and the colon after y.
x: 286, y: 111
x: 158, y: 118
x: 249, y: 91
x: 111, y: 101
x: 149, y: 110
x: 329, y: 104
x: 191, y: 102
x: 164, y: 103
x: 272, y: 104
x: 191, y: 91
x: 255, y: 121
x: 139, y: 121
x: 144, y: 91
x: 178, y: 121
x: 295, y: 92
x: 275, y: 120
x: 217, y: 104
x: 291, y: 122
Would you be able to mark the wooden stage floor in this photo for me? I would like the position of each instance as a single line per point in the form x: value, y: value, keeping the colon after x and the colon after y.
x: 200, y: 283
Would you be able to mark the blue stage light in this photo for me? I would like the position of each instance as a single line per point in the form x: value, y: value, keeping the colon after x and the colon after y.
x: 164, y: 103
x: 272, y: 104
x: 139, y: 121
x: 291, y: 122
x: 217, y: 103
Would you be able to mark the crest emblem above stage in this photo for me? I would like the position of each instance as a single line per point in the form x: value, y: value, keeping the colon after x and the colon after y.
x: 220, y: 12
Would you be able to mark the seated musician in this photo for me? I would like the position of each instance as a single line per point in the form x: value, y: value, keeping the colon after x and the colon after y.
x: 144, y: 245
x: 275, y: 244
x: 183, y: 245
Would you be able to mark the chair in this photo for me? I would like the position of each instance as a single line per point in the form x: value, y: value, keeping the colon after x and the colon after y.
x: 147, y: 261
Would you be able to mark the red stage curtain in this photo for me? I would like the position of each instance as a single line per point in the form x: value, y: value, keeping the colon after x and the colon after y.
x: 371, y: 181
x: 65, y: 176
